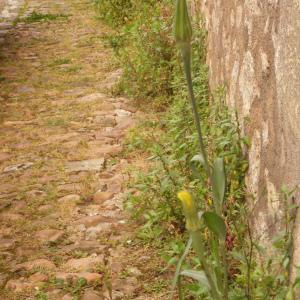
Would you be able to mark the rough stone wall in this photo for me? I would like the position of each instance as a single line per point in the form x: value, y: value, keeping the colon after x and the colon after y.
x: 254, y: 50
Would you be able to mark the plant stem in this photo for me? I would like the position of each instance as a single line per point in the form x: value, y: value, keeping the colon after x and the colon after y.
x: 249, y: 262
x: 223, y: 251
x: 180, y: 294
x: 198, y: 247
x: 186, y: 57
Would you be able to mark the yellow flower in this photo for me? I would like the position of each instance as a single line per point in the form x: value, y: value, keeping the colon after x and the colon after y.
x: 186, y: 198
x: 189, y: 210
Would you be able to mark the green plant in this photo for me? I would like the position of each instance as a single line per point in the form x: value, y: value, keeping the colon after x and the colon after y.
x: 171, y: 143
x: 216, y: 279
x: 114, y: 12
x: 39, y: 17
x: 143, y: 46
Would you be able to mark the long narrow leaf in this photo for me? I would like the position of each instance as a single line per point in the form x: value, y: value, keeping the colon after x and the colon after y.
x: 179, y: 265
x: 197, y: 275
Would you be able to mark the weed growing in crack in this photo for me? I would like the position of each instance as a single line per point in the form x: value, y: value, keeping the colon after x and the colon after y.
x: 40, y: 17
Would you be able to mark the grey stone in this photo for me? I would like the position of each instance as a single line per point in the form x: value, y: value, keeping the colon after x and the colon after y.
x: 123, y: 113
x: 85, y: 165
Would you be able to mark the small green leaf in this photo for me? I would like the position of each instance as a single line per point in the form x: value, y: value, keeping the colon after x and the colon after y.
x: 197, y: 275
x: 218, y: 181
x: 215, y: 224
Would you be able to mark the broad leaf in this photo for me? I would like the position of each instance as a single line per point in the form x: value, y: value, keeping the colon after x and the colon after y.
x: 197, y: 275
x: 215, y: 224
x: 218, y: 181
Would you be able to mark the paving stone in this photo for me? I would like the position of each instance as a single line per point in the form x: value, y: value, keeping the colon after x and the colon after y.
x: 55, y: 294
x: 91, y: 221
x: 123, y: 113
x: 127, y: 285
x: 38, y: 263
x: 3, y: 279
x: 4, y: 156
x: 5, y: 26
x: 101, y: 197
x: 45, y: 208
x: 25, y: 89
x: 105, y: 121
x: 93, y: 97
x: 18, y: 285
x: 85, y: 165
x: 83, y: 264
x: 89, y: 277
x: 73, y: 198
x: 6, y: 244
x: 18, y: 167
x: 4, y: 205
x: 49, y: 235
x: 124, y: 123
x: 38, y: 277
x: 91, y: 295
x: 11, y: 217
x: 96, y: 231
x: 3, y: 32
x: 82, y: 245
x: 67, y: 297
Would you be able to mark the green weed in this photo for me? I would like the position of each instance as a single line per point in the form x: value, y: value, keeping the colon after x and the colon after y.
x: 145, y: 49
x: 40, y: 17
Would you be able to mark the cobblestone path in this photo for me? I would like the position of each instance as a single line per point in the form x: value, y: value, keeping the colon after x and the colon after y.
x: 63, y: 231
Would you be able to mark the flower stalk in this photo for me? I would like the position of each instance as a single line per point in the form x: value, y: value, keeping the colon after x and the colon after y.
x: 183, y: 36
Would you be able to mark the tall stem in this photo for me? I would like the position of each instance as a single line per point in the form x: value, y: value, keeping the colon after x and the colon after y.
x: 186, y: 57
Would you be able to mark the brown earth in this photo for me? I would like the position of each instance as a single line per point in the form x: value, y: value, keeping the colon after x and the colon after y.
x: 64, y: 234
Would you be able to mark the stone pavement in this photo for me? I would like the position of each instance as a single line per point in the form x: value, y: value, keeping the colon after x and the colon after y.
x: 64, y: 234
x: 9, y: 10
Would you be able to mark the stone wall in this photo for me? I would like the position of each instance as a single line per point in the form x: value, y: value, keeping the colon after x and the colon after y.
x: 254, y: 50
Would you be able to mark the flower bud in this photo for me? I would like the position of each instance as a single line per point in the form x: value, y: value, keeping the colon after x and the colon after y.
x: 189, y: 210
x: 183, y: 27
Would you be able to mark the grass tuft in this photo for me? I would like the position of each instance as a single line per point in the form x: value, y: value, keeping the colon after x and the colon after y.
x: 35, y: 17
